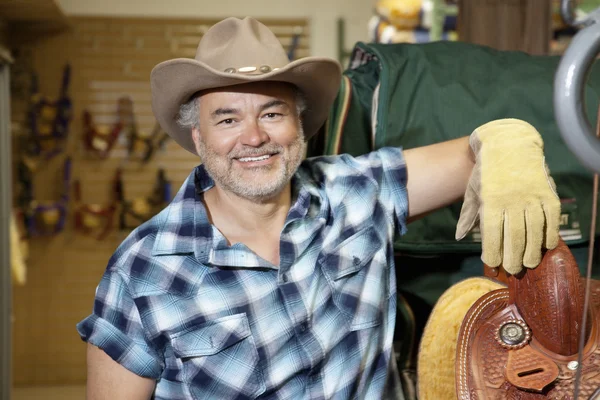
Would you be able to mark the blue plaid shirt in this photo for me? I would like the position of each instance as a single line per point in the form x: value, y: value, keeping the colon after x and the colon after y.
x: 211, y: 321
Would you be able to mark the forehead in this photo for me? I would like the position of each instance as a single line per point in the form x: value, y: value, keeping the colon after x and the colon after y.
x: 243, y: 92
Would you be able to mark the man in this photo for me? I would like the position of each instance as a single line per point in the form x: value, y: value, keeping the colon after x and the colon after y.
x: 272, y: 276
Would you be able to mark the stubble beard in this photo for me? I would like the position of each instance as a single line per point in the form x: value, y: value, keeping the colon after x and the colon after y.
x: 257, y: 184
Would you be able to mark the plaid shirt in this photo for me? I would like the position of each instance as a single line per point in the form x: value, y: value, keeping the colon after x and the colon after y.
x: 211, y: 321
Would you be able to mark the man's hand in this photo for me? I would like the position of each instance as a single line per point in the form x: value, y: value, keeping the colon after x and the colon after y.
x: 512, y: 195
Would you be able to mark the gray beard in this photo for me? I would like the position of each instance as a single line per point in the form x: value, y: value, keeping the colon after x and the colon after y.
x: 229, y: 180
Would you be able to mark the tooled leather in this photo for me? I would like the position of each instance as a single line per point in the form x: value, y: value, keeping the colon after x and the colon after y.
x: 481, y: 361
x: 550, y: 300
x: 465, y: 373
x: 521, y: 364
x: 509, y: 392
x: 493, y: 369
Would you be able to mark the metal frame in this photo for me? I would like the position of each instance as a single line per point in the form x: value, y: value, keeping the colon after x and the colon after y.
x: 569, y: 83
x: 5, y: 212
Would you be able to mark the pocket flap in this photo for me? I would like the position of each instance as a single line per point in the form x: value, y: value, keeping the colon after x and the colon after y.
x: 211, y: 337
x: 352, y: 254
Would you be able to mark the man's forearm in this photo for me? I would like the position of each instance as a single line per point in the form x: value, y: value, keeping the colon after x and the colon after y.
x: 107, y: 380
x: 437, y: 175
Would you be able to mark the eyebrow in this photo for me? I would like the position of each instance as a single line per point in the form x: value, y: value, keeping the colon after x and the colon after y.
x: 227, y: 111
x: 273, y: 103
x: 224, y: 111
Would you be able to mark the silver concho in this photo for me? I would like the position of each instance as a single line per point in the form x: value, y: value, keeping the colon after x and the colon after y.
x: 513, y: 334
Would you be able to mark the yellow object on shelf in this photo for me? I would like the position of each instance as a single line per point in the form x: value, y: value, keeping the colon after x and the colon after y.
x: 413, y: 21
x: 402, y: 14
x: 18, y: 254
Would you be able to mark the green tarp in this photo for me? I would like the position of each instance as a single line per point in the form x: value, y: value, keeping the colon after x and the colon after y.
x: 427, y: 93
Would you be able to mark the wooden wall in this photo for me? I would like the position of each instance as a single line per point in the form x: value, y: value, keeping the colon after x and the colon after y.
x: 109, y: 58
x: 3, y: 33
x: 521, y: 25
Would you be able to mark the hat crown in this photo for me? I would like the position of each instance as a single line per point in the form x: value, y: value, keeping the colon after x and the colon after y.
x: 237, y: 43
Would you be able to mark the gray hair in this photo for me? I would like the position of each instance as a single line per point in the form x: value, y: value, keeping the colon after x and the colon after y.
x: 189, y: 112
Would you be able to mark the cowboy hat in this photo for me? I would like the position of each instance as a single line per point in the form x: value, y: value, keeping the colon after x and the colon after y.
x: 236, y: 51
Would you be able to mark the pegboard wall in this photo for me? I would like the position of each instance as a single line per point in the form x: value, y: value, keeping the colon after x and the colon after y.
x: 110, y: 62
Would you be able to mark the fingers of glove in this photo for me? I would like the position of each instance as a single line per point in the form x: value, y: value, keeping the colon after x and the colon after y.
x: 534, y: 231
x: 514, y: 241
x: 492, y: 225
x: 469, y: 214
x: 552, y: 213
x: 549, y: 178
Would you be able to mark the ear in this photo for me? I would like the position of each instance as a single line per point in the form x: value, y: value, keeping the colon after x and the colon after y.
x: 196, y: 136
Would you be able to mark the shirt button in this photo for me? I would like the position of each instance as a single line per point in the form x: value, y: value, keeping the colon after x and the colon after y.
x: 284, y: 278
x: 303, y: 327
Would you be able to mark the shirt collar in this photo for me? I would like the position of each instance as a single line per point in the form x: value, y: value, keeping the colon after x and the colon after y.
x: 185, y: 228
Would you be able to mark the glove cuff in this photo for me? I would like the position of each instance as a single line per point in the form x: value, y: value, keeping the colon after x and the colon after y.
x: 509, y: 132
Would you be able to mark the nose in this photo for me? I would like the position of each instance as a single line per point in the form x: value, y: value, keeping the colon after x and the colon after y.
x: 253, y: 135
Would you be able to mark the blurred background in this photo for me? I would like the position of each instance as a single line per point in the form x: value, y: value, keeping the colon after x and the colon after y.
x: 83, y: 161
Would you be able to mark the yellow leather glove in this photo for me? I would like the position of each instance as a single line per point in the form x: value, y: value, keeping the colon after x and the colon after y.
x: 512, y: 195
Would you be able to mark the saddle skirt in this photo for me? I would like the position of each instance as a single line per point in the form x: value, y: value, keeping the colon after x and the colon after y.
x: 518, y: 339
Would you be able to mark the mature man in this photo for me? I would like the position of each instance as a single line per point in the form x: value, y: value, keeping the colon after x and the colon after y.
x: 273, y: 276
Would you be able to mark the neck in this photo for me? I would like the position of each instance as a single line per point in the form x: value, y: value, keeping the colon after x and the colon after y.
x: 228, y: 211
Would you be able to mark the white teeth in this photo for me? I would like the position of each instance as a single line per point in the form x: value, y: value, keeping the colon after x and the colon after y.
x: 249, y: 159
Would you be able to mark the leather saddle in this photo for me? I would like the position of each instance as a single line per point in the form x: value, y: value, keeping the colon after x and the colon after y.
x: 514, y: 337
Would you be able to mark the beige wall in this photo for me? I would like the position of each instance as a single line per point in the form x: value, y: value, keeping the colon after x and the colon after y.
x: 356, y: 13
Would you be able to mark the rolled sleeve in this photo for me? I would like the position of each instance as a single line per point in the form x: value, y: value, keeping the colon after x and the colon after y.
x: 115, y: 327
x: 387, y: 167
x: 394, y: 184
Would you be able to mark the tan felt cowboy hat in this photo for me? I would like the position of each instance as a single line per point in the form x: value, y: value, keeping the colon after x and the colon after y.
x: 236, y: 51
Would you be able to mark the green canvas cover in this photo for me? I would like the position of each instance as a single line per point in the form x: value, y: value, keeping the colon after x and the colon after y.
x: 430, y: 92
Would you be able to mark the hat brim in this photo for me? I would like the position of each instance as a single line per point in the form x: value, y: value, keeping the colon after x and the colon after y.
x: 173, y: 82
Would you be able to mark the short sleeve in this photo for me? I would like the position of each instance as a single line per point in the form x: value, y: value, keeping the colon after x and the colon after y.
x: 115, y: 326
x: 393, y: 188
x: 387, y: 167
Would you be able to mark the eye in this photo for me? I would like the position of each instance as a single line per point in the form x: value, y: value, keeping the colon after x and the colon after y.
x: 227, y: 121
x: 272, y: 115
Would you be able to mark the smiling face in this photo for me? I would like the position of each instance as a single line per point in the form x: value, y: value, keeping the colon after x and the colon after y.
x: 250, y: 138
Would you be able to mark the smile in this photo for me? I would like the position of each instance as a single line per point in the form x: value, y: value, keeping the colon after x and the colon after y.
x: 253, y: 159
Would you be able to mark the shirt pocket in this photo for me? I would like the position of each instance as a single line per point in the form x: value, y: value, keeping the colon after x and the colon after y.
x: 220, y: 359
x: 357, y: 273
